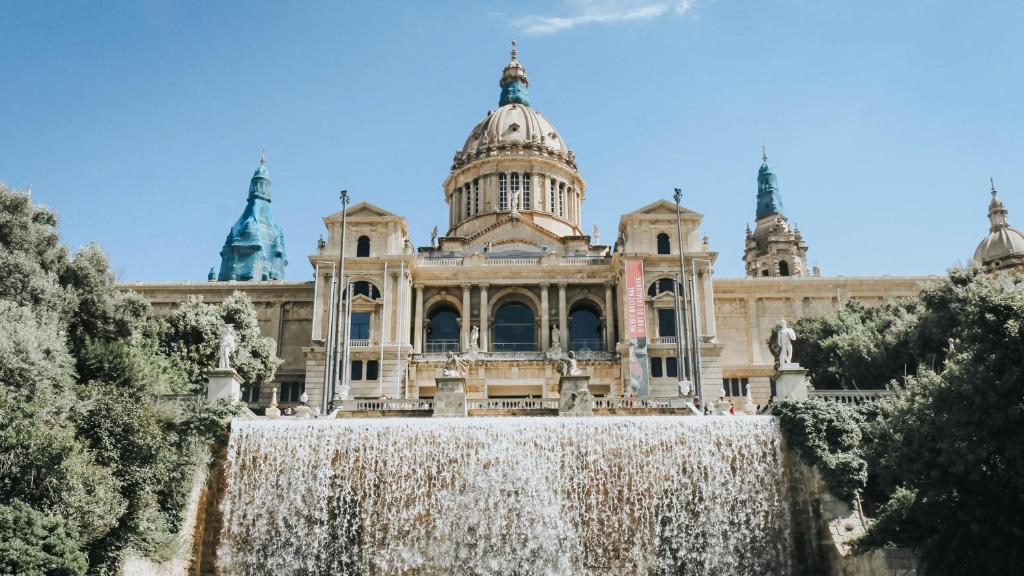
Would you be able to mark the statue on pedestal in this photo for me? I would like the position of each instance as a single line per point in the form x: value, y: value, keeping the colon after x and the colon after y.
x: 474, y: 339
x: 514, y: 202
x: 785, y: 339
x: 454, y: 366
x: 227, y: 346
x: 567, y: 366
x: 595, y: 236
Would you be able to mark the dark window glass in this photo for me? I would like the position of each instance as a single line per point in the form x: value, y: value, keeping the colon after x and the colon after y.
x: 783, y: 268
x: 666, y: 322
x: 291, y: 391
x: 514, y: 328
x: 744, y: 384
x: 771, y: 384
x: 656, y: 368
x: 443, y: 330
x: 363, y: 247
x: 360, y: 326
x: 664, y: 247
x: 357, y: 370
x: 251, y: 393
x: 584, y: 329
x: 671, y: 367
x: 364, y: 288
x: 735, y: 383
x: 372, y: 368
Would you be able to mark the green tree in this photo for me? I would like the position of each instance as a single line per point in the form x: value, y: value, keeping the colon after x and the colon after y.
x: 36, y: 544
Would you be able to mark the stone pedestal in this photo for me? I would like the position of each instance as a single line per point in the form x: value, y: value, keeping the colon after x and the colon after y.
x: 575, y: 398
x: 791, y: 382
x: 450, y: 398
x: 225, y: 384
x: 722, y: 408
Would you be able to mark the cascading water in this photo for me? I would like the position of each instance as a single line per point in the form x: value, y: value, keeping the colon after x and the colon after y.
x: 527, y: 495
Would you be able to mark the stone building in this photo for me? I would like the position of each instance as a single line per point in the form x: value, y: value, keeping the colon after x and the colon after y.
x: 514, y: 282
x: 1003, y: 248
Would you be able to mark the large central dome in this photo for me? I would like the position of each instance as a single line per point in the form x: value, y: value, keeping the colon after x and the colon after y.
x: 514, y: 166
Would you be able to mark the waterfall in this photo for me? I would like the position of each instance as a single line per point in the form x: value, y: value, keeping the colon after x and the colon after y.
x: 506, y: 496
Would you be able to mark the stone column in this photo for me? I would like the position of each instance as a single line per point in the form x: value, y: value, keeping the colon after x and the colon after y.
x: 563, y: 319
x: 710, y: 323
x: 609, y: 324
x: 545, y: 320
x: 485, y: 313
x: 755, y: 332
x: 417, y: 337
x: 466, y: 317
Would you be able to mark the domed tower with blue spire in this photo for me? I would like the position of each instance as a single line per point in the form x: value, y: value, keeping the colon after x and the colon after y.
x: 773, y: 248
x: 254, y: 248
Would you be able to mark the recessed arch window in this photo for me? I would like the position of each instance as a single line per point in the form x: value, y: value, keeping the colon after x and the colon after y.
x: 551, y: 195
x: 527, y: 205
x: 514, y: 328
x: 783, y: 268
x: 664, y: 244
x: 363, y: 247
x: 364, y: 288
x: 469, y: 203
x: 662, y: 285
x: 584, y: 327
x: 442, y: 330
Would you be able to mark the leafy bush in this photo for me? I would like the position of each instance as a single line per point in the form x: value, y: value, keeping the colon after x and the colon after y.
x: 36, y: 544
x: 826, y: 435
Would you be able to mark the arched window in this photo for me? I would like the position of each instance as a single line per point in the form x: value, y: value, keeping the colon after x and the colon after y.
x: 527, y: 204
x: 514, y: 328
x: 443, y: 329
x: 363, y: 247
x: 584, y: 328
x: 664, y: 245
x: 502, y: 192
x: 363, y: 288
x: 661, y: 285
x: 783, y: 268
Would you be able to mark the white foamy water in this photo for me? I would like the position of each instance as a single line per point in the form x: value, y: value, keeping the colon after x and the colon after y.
x: 506, y: 496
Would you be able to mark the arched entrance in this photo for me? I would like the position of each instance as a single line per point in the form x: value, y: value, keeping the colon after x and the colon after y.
x: 442, y: 329
x: 515, y: 329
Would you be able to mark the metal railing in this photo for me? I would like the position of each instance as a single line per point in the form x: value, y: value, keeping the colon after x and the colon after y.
x: 511, y: 356
x: 854, y: 397
x: 586, y: 345
x: 434, y: 346
x: 514, y: 346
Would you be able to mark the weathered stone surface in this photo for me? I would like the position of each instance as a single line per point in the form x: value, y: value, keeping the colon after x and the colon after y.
x: 225, y: 384
x: 450, y: 398
x: 791, y: 382
x: 575, y: 398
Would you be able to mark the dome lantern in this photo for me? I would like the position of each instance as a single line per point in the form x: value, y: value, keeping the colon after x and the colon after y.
x: 514, y: 82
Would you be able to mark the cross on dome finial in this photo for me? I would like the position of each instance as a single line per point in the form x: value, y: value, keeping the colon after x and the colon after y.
x: 992, y: 181
x: 515, y: 52
x: 263, y: 156
x: 764, y: 153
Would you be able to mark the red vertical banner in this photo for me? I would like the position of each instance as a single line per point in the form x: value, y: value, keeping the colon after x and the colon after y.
x: 636, y: 323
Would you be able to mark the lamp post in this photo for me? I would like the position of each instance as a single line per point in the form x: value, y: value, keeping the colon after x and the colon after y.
x: 333, y: 360
x: 688, y: 364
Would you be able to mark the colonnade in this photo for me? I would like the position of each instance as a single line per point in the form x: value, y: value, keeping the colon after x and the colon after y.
x: 466, y: 315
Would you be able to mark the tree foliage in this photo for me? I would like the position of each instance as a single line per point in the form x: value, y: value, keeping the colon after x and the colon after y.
x: 945, y: 460
x: 94, y: 461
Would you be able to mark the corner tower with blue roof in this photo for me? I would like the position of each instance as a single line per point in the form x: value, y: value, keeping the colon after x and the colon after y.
x: 773, y: 248
x: 254, y: 248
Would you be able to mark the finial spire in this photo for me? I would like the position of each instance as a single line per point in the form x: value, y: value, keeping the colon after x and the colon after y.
x: 263, y: 156
x: 764, y: 153
x: 515, y: 53
x: 992, y: 182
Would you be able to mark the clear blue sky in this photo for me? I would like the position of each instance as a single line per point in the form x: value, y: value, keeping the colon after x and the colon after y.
x: 140, y: 122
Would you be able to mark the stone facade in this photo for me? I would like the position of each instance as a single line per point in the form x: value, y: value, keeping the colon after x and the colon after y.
x: 514, y: 270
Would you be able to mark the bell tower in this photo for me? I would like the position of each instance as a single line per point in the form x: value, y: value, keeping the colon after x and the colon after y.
x: 773, y: 248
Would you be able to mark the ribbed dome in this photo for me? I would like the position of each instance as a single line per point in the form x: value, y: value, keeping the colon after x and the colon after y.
x: 1004, y: 244
x: 514, y: 125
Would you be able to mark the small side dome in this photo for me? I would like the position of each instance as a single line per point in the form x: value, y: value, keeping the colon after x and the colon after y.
x: 1004, y: 246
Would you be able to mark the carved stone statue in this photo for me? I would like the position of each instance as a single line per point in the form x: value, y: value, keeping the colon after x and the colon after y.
x: 433, y: 237
x: 785, y: 339
x: 514, y: 202
x: 454, y: 366
x: 595, y: 236
x: 567, y: 366
x: 474, y: 339
x: 556, y: 337
x: 227, y: 346
x: 684, y: 387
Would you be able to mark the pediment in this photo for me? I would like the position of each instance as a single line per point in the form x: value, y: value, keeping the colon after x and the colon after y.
x: 514, y: 235
x: 659, y: 208
x: 363, y: 210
